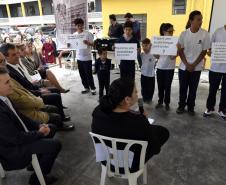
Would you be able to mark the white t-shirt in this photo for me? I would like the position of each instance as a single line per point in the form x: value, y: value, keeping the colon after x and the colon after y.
x: 194, y: 44
x: 85, y: 54
x: 148, y: 64
x: 166, y: 63
x: 219, y: 36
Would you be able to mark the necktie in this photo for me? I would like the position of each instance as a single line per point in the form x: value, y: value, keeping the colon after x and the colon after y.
x: 9, y: 104
x: 21, y: 71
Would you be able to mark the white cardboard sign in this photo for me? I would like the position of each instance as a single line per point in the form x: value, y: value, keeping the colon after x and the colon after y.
x: 218, y: 54
x: 126, y: 51
x: 164, y: 45
x: 75, y: 42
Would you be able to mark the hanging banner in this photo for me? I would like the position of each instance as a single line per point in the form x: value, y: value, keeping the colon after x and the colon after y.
x: 66, y: 11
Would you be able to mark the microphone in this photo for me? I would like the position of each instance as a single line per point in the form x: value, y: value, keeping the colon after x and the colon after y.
x: 140, y: 104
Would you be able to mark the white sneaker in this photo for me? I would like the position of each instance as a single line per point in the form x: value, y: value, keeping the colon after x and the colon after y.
x: 93, y: 92
x: 151, y: 121
x: 222, y: 114
x: 208, y: 113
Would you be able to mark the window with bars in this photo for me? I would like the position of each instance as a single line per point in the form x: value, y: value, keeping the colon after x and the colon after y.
x: 179, y: 7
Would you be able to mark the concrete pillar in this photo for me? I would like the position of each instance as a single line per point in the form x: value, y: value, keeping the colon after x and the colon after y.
x: 40, y: 7
x: 8, y: 10
x: 23, y: 9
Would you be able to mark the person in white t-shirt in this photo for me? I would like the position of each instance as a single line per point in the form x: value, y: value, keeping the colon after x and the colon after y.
x: 165, y: 70
x: 84, y: 58
x: 147, y: 72
x: 193, y: 45
x: 217, y: 76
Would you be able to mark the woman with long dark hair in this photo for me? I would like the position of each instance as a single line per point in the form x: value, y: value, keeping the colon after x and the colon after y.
x: 114, y: 118
x: 193, y: 45
x: 165, y: 70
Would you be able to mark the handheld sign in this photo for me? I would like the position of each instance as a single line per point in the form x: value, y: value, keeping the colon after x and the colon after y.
x: 126, y: 51
x: 164, y: 45
x: 75, y: 42
x: 218, y: 54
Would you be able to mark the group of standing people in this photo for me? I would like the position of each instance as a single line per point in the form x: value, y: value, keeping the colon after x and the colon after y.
x: 113, y: 116
x: 193, y: 45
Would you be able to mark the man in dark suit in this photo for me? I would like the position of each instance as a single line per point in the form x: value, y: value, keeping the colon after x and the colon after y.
x: 49, y: 96
x: 21, y: 137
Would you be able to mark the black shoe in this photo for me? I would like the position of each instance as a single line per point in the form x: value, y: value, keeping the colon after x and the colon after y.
x: 66, y: 91
x: 30, y: 168
x: 64, y: 107
x: 191, y: 111
x: 159, y: 105
x: 147, y: 101
x: 167, y: 107
x: 48, y: 180
x: 86, y: 91
x: 67, y: 118
x: 180, y: 110
x: 66, y: 127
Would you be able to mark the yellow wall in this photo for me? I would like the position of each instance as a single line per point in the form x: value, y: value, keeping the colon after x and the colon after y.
x: 158, y: 11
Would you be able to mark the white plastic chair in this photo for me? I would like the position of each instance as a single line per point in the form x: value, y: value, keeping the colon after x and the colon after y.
x: 113, y: 155
x: 36, y: 167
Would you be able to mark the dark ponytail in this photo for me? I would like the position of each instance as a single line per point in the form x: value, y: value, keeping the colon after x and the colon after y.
x: 118, y: 90
x: 191, y: 17
x: 164, y: 27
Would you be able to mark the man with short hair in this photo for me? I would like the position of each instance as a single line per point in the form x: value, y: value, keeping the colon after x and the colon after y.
x: 115, y: 29
x: 17, y: 73
x: 136, y: 26
x: 21, y: 137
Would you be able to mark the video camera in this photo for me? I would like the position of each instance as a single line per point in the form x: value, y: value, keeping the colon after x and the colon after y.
x: 106, y: 42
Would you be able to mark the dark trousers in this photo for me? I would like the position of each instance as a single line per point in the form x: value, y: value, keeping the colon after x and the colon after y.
x: 47, y: 151
x: 164, y: 79
x: 127, y: 69
x: 53, y: 90
x: 104, y: 83
x: 147, y: 87
x: 54, y: 99
x: 215, y: 79
x: 85, y: 72
x: 189, y: 82
x: 54, y: 115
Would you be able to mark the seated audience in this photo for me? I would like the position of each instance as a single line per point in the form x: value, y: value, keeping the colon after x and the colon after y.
x: 21, y: 137
x: 113, y: 118
x: 31, y: 106
x: 32, y: 62
x: 49, y: 96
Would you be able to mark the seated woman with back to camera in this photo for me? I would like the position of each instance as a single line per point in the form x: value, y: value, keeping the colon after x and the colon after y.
x: 113, y: 118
